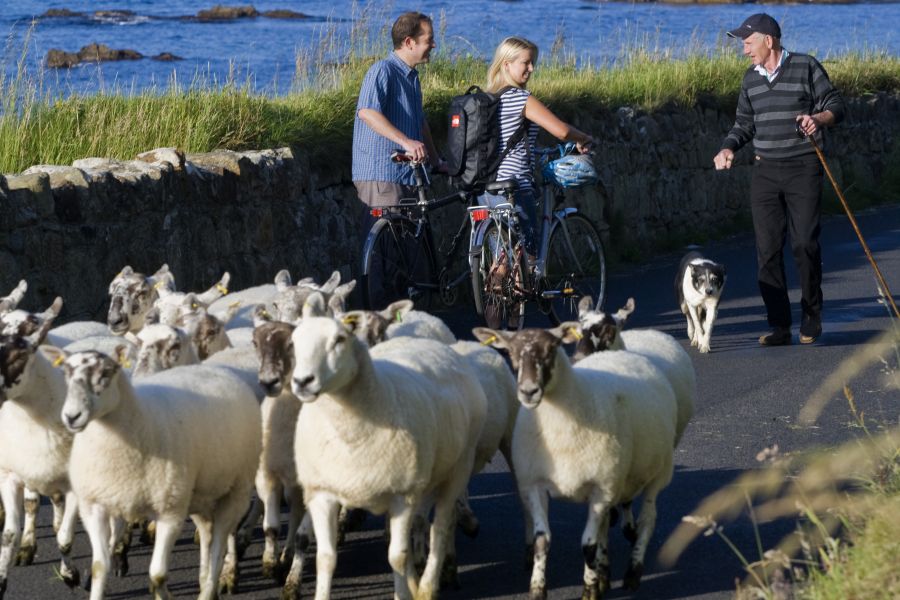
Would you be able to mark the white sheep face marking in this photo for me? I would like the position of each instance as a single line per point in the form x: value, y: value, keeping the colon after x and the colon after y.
x: 324, y: 357
x: 88, y: 377
x: 20, y: 322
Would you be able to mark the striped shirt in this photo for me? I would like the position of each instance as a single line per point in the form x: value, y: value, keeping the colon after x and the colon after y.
x: 767, y: 110
x: 519, y: 163
x: 392, y: 88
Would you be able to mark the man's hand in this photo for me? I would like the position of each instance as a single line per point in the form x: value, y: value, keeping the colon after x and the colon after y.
x: 808, y: 124
x: 585, y: 146
x: 723, y: 159
x: 416, y: 149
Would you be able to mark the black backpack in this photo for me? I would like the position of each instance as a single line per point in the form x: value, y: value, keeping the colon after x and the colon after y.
x: 473, y: 138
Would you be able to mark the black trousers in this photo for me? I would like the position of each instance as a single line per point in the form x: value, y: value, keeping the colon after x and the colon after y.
x: 785, y: 197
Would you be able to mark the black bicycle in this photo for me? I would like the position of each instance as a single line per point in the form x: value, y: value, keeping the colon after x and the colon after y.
x: 400, y: 259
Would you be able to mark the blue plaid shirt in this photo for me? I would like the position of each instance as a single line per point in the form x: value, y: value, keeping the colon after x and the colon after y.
x: 392, y: 88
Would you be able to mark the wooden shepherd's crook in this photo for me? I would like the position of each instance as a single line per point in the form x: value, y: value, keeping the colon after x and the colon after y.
x: 878, y: 275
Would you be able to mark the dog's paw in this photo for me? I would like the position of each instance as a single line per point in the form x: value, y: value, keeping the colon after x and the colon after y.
x: 704, y: 348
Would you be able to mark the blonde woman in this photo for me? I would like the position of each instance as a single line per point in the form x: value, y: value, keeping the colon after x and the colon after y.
x: 508, y: 75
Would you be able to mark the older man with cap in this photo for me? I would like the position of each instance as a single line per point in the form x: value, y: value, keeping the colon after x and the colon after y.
x: 783, y: 94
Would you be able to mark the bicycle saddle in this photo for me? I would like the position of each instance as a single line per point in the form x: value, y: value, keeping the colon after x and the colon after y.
x: 500, y: 187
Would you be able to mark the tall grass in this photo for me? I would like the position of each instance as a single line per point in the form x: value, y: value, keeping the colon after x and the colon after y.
x: 317, y: 113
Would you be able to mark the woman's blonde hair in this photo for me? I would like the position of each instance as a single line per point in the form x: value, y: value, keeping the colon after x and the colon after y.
x: 507, y: 51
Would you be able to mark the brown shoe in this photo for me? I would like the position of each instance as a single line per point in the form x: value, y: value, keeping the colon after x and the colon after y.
x: 780, y: 336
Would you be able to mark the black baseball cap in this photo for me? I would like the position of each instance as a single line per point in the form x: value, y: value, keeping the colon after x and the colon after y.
x: 758, y: 23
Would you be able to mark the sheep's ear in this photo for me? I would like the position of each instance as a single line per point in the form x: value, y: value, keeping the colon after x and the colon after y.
x: 37, y: 338
x: 491, y: 337
x: 623, y: 313
x: 163, y: 283
x: 585, y: 305
x: 314, y: 306
x: 356, y: 321
x: 55, y: 355
x: 332, y: 283
x: 11, y: 301
x: 282, y: 280
x: 233, y: 309
x: 218, y: 289
x: 569, y: 332
x: 120, y: 354
x: 125, y: 272
x: 338, y: 300
x: 152, y: 317
x: 54, y: 309
x: 261, y: 315
x: 162, y: 271
x: 397, y: 310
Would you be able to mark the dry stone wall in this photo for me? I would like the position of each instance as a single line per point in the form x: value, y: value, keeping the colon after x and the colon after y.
x: 68, y: 230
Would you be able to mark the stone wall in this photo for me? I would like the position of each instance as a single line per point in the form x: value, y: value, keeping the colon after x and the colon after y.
x: 68, y: 230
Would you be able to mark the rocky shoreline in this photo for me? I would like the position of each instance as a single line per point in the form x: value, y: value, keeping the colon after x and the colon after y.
x: 94, y: 52
x: 214, y: 14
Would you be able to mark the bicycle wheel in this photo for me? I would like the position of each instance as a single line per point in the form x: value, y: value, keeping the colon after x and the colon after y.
x: 496, y: 280
x: 575, y: 266
x: 396, y: 265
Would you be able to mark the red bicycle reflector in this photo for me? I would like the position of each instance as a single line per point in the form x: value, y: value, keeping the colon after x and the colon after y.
x: 454, y: 121
x: 479, y: 215
x: 376, y: 212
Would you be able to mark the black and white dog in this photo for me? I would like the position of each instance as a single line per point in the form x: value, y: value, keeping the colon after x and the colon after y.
x: 698, y: 287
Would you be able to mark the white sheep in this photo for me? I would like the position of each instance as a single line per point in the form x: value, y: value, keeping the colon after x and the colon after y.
x: 604, y: 332
x: 34, y: 448
x: 601, y: 432
x: 172, y: 304
x: 387, y: 430
x: 181, y: 442
x: 277, y: 474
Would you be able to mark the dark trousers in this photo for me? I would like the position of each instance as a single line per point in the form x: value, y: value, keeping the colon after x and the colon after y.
x: 785, y: 197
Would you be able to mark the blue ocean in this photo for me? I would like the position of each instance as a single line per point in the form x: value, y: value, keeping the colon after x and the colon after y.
x: 266, y: 51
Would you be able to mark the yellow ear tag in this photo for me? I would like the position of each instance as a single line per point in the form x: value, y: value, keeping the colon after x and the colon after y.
x: 264, y: 313
x: 234, y: 304
x: 222, y: 289
x: 194, y: 305
x: 489, y: 341
x: 157, y: 285
x: 59, y: 360
x: 349, y: 319
x: 576, y: 333
x: 126, y: 364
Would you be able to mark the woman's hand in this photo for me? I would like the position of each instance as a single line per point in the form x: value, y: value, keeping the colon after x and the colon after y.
x: 585, y: 146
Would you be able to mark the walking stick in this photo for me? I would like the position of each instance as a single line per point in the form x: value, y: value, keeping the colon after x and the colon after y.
x: 878, y: 275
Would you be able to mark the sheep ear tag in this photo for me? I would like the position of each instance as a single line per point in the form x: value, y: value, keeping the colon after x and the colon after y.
x: 398, y: 316
x: 222, y: 289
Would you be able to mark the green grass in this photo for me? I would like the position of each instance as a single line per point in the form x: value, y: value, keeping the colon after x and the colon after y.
x: 317, y: 114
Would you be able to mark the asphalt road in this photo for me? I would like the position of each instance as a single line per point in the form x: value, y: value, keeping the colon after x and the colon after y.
x: 749, y: 398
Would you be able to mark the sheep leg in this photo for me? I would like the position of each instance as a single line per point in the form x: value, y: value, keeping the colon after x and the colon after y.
x: 58, y: 501
x: 534, y: 501
x: 64, y: 536
x: 204, y: 530
x: 167, y: 530
x: 229, y: 573
x: 406, y: 581
x: 465, y: 516
x: 323, y: 510
x: 418, y: 531
x: 244, y: 535
x: 270, y: 494
x: 629, y: 530
x: 706, y: 338
x: 291, y: 589
x: 96, y: 521
x: 594, y: 547
x: 11, y: 494
x: 223, y: 568
x: 28, y: 543
x: 645, y: 524
x: 297, y: 510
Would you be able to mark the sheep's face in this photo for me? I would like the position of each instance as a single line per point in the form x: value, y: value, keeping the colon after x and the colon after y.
x: 207, y: 332
x: 89, y: 377
x: 130, y: 297
x: 161, y: 347
x: 324, y: 357
x: 275, y: 349
x: 533, y: 356
x: 288, y: 304
x: 24, y: 323
x: 15, y: 361
x: 600, y: 331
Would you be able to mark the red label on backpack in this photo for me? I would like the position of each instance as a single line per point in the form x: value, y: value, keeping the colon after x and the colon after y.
x: 454, y: 121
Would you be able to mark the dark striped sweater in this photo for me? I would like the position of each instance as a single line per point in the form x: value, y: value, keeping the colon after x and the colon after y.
x: 767, y: 112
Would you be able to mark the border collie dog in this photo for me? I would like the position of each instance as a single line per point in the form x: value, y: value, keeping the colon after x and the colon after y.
x: 698, y: 287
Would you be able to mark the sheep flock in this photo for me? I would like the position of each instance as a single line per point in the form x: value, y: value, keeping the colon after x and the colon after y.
x: 225, y: 406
